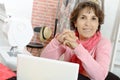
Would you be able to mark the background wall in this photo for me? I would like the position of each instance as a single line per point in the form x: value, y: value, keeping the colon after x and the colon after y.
x: 44, y: 13
x: 21, y: 8
x: 111, y: 7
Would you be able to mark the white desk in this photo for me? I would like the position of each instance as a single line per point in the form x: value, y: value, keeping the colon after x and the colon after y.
x: 10, y: 61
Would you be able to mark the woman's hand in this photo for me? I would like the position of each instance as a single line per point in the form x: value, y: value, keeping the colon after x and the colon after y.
x: 68, y: 38
x: 61, y: 37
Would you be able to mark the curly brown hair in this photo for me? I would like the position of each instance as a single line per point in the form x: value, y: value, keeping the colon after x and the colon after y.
x: 82, y: 5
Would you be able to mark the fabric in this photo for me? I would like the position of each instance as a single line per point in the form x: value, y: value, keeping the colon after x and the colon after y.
x: 82, y: 77
x: 97, y: 68
x: 13, y: 78
x: 92, y: 42
x: 6, y: 73
x: 110, y: 76
x: 88, y: 45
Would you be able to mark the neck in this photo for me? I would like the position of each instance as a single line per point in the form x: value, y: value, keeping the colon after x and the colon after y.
x: 83, y: 38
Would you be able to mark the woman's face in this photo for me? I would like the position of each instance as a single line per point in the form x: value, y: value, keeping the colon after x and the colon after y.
x: 86, y: 23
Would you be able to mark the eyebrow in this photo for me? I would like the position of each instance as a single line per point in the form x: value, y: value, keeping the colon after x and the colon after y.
x: 85, y: 15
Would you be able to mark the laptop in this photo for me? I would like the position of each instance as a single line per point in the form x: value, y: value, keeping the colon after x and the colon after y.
x: 38, y: 68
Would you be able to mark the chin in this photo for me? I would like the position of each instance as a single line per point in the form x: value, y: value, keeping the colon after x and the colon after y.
x: 88, y: 36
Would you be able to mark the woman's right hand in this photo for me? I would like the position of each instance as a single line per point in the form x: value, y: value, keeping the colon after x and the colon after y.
x: 61, y: 37
x: 68, y: 38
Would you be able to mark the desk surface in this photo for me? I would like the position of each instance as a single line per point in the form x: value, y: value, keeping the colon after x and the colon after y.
x: 10, y: 61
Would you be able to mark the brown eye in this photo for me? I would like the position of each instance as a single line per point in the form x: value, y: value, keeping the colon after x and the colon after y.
x: 94, y: 18
x: 82, y: 17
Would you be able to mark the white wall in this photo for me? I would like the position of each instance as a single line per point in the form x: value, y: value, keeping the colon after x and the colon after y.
x: 111, y: 7
x: 17, y: 8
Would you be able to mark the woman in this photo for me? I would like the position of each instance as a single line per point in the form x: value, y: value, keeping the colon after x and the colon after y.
x: 85, y: 45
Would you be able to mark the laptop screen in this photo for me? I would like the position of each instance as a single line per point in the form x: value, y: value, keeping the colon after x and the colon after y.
x: 37, y: 68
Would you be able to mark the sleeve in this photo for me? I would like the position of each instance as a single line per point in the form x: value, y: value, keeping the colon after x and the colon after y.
x: 53, y: 50
x: 96, y: 68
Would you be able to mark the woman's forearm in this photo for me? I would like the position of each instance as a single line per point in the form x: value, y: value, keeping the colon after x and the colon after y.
x: 53, y: 50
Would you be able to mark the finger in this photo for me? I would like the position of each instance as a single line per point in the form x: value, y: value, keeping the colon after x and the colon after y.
x: 60, y: 38
x: 70, y: 44
x: 69, y: 38
x: 67, y: 43
x: 72, y: 35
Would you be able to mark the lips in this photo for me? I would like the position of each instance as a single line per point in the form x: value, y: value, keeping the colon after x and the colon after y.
x: 86, y: 30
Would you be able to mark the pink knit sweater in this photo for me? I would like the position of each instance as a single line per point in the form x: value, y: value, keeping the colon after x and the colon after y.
x: 96, y: 63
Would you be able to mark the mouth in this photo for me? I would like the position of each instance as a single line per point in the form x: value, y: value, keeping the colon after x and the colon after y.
x: 86, y: 30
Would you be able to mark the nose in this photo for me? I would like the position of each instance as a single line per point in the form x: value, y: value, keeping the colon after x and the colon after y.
x: 87, y: 22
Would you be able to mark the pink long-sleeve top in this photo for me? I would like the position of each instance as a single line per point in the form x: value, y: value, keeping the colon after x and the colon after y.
x: 95, y: 63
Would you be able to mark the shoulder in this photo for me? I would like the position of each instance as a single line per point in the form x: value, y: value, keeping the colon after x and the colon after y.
x: 104, y: 47
x: 104, y: 43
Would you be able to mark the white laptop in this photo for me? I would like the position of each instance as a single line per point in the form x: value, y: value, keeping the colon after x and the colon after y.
x: 37, y: 68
